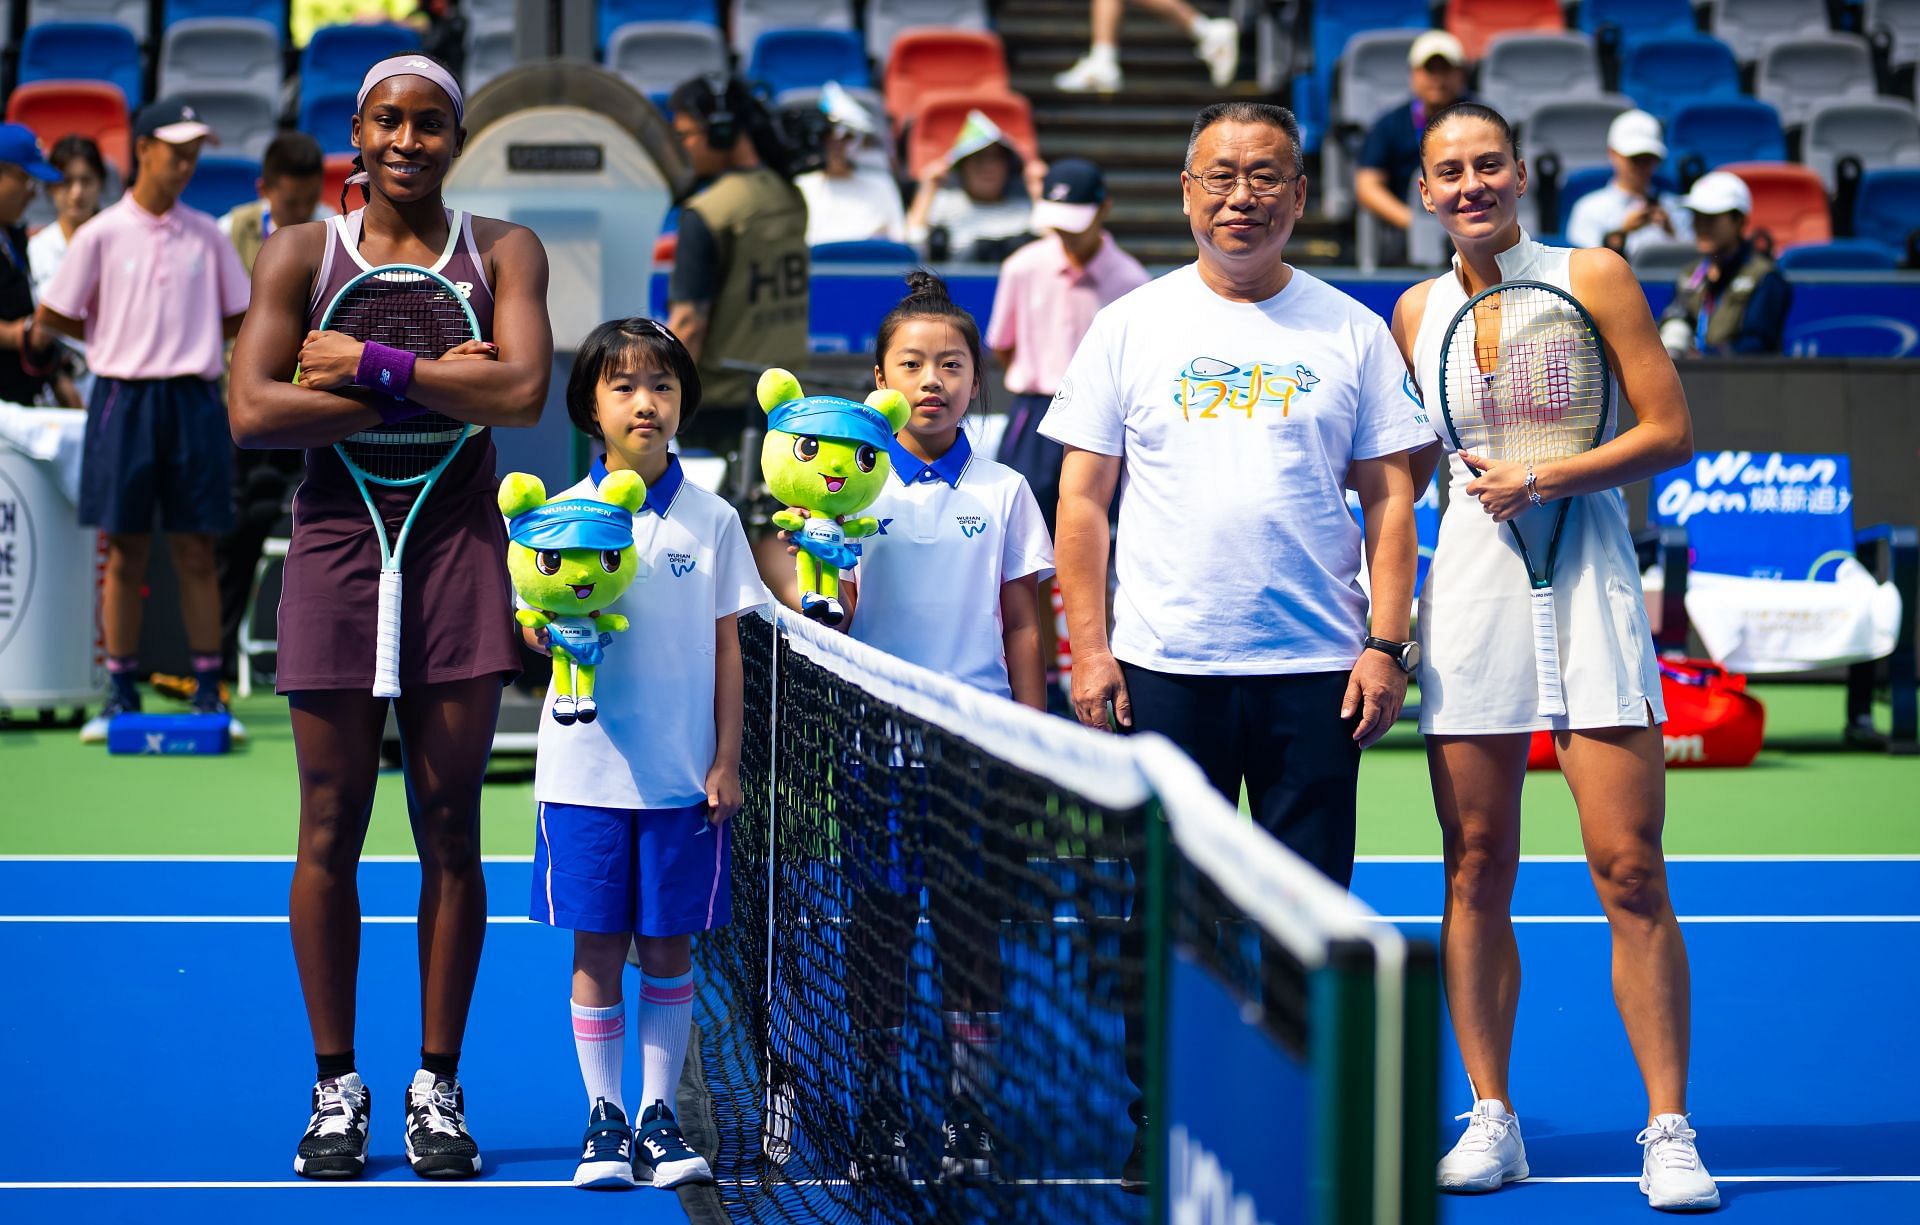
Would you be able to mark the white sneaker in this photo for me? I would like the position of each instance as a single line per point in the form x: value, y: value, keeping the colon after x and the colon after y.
x: 1089, y: 75
x: 1671, y: 1174
x: 1218, y: 46
x: 1488, y: 1155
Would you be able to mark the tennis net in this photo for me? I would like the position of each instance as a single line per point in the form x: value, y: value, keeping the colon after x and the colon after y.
x: 961, y: 933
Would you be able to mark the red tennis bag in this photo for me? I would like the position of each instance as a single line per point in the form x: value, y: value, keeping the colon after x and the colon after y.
x: 1711, y: 718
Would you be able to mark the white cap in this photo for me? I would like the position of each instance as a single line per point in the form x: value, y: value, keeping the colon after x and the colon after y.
x: 1635, y: 134
x: 843, y: 109
x: 1719, y: 192
x: 1436, y: 43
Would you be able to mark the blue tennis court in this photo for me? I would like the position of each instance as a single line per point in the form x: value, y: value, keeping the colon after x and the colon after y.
x: 158, y: 1049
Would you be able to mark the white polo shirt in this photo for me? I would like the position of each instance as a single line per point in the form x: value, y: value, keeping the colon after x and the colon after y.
x: 952, y: 533
x: 654, y: 740
x: 1238, y: 421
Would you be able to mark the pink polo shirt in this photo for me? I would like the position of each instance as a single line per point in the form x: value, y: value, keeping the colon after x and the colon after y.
x: 152, y: 290
x: 1045, y: 306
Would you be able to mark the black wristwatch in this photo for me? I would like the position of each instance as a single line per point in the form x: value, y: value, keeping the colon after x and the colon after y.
x: 1406, y: 654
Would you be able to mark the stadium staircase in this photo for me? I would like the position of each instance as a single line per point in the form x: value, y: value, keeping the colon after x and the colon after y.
x: 1138, y: 135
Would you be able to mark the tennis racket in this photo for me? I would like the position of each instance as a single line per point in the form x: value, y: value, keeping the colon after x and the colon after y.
x: 416, y: 309
x: 1524, y: 379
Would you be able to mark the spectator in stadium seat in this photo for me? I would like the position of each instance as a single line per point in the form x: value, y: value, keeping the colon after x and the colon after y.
x: 987, y: 211
x: 1048, y: 295
x: 1437, y: 75
x: 1629, y: 213
x: 846, y: 201
x: 76, y: 197
x: 1216, y: 40
x: 292, y: 175
x: 155, y: 291
x: 1735, y: 299
x: 21, y: 168
x: 1243, y: 397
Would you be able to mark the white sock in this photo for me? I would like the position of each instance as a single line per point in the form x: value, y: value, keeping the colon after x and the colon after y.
x: 975, y: 1041
x: 1198, y: 26
x: 1104, y: 54
x: 663, y: 1020
x: 599, y: 1037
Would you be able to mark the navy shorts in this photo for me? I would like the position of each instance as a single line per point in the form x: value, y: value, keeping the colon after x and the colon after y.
x: 156, y: 445
x: 1032, y: 454
x: 652, y: 871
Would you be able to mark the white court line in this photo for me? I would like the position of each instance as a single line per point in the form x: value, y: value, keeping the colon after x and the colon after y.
x: 1749, y: 1178
x: 1573, y: 919
x: 1542, y: 919
x: 1358, y: 859
x: 228, y: 859
x: 217, y: 918
x: 483, y: 1183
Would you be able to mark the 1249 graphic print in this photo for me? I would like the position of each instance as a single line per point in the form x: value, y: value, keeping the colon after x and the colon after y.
x: 1210, y: 388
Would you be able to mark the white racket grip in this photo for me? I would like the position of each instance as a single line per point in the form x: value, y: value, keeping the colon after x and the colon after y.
x: 386, y: 647
x: 1546, y: 654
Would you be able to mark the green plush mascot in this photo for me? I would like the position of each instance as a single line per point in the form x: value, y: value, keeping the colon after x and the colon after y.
x: 569, y: 561
x: 826, y: 459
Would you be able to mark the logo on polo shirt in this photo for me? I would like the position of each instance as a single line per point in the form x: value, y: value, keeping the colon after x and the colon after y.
x: 1212, y: 389
x: 971, y: 525
x: 681, y: 564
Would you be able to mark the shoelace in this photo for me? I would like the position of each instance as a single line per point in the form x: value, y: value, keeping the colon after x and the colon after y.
x: 1670, y: 1145
x: 441, y: 1108
x: 338, y: 1109
x: 1483, y: 1131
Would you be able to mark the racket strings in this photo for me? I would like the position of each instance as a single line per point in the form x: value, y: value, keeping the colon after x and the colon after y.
x: 1532, y: 383
x: 426, y: 318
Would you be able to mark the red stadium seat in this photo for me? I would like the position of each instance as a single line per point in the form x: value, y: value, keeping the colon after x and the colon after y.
x: 76, y: 108
x: 1475, y: 22
x: 1789, y: 202
x: 930, y: 60
x: 943, y: 114
x: 337, y: 167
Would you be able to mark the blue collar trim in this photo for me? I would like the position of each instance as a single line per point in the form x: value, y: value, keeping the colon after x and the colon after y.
x: 949, y: 467
x: 660, y: 494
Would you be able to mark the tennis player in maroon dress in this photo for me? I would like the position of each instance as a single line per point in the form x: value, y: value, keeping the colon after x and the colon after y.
x: 458, y: 644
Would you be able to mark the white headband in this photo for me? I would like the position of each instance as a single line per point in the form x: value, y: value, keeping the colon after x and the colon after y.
x: 413, y: 66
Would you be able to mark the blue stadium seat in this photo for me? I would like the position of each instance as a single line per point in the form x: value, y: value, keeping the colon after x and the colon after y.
x: 1333, y: 25
x: 338, y: 56
x: 865, y: 251
x: 1840, y: 255
x: 222, y: 181
x: 799, y: 59
x: 83, y: 51
x: 1887, y: 208
x: 1704, y: 136
x: 616, y: 13
x: 1663, y: 74
x: 130, y: 14
x: 1635, y: 21
x: 327, y: 116
x: 273, y: 12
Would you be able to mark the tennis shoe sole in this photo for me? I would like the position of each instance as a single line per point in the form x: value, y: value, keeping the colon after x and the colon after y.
x: 342, y: 1166
x: 442, y: 1165
x: 605, y: 1176
x: 1480, y: 1186
x: 669, y: 1174
x: 1702, y: 1203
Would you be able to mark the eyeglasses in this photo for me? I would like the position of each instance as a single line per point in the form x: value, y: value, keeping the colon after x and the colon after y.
x: 1262, y: 183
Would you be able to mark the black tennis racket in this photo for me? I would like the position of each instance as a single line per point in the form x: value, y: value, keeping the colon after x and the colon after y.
x: 416, y: 309
x: 1524, y: 379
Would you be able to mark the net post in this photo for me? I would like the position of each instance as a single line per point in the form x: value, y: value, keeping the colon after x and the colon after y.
x: 1342, y: 1006
x: 1420, y: 1119
x: 1156, y: 890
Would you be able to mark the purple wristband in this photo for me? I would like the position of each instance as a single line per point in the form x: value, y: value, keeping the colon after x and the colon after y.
x: 385, y: 370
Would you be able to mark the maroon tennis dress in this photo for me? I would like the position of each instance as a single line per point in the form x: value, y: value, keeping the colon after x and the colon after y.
x: 457, y: 604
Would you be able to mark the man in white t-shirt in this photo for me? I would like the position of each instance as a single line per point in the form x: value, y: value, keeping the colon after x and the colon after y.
x: 1242, y: 398
x: 1630, y: 206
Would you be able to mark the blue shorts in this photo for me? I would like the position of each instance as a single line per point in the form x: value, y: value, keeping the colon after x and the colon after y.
x: 652, y: 871
x: 156, y: 445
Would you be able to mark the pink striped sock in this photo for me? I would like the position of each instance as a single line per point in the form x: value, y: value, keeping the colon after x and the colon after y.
x: 599, y: 1037
x: 664, y: 1020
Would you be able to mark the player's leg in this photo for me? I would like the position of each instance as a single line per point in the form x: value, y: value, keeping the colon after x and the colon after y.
x: 446, y: 733
x: 599, y: 1040
x: 1099, y: 70
x: 121, y: 607
x: 198, y: 573
x: 1618, y: 778
x: 195, y: 477
x: 684, y: 864
x: 1476, y: 794
x: 336, y: 740
x: 880, y: 849
x: 117, y: 495
x: 969, y: 854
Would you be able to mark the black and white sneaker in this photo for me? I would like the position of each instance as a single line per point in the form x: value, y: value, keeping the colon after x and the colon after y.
x: 438, y: 1145
x: 1133, y: 1172
x: 967, y: 1153
x: 674, y: 1161
x: 880, y: 1151
x: 335, y: 1145
x: 606, y: 1159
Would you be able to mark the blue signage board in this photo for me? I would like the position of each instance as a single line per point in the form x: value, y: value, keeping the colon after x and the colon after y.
x: 1240, y: 1147
x: 1760, y: 514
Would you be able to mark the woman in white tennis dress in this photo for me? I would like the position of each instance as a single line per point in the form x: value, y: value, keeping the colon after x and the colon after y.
x: 1478, y: 697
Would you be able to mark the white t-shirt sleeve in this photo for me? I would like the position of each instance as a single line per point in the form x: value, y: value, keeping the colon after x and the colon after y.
x: 1088, y: 411
x: 1591, y: 219
x: 736, y: 582
x: 1027, y: 549
x: 1390, y: 417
